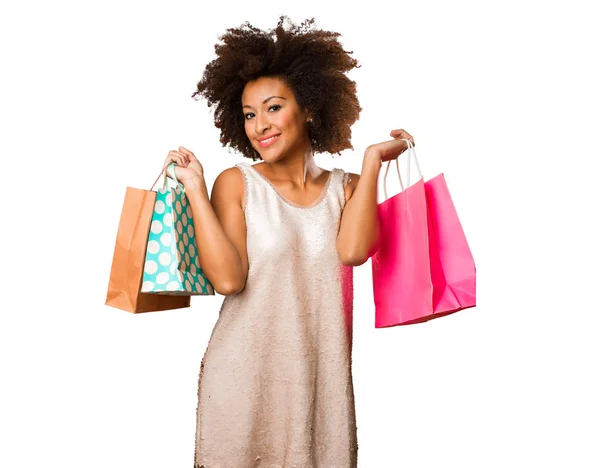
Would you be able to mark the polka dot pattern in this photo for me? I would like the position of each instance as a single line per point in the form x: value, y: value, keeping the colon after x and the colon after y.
x: 172, y: 265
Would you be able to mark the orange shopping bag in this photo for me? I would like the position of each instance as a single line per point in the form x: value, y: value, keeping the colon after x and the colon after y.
x: 129, y: 255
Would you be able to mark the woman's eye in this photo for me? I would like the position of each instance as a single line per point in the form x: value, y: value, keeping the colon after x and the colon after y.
x: 271, y: 107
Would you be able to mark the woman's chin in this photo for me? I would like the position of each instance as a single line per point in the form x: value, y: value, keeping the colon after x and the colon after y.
x: 270, y: 156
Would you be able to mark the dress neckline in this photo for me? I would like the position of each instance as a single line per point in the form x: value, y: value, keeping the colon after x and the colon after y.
x: 319, y: 199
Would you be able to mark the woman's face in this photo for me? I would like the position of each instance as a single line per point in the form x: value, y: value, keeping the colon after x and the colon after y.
x: 270, y: 108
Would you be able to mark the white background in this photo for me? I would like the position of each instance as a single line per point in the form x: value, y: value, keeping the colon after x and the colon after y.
x: 500, y: 96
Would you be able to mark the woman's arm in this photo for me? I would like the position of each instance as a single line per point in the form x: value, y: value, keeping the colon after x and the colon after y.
x: 220, y: 227
x: 358, y: 237
x: 359, y: 234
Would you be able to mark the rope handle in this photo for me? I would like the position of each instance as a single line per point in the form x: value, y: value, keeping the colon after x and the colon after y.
x: 170, y: 171
x: 412, y: 152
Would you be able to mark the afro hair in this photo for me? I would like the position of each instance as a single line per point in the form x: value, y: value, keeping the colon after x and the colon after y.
x: 312, y: 63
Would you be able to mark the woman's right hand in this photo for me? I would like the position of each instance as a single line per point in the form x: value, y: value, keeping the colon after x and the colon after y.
x: 188, y: 169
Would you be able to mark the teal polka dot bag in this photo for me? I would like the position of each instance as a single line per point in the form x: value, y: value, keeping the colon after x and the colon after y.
x: 171, y: 265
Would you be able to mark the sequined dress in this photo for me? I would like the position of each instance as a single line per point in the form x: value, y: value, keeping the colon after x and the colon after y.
x: 275, y: 385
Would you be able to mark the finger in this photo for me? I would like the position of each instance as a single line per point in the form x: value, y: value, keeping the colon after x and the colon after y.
x: 399, y: 134
x: 183, y: 154
x: 184, y: 157
x: 170, y: 158
x: 403, y: 134
x: 187, y: 154
x: 177, y: 158
x: 186, y: 151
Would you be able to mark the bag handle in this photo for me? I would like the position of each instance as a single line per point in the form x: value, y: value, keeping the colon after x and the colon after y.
x: 170, y: 167
x: 411, y: 150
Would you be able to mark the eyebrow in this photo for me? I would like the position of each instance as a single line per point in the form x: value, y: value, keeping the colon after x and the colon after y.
x: 266, y: 100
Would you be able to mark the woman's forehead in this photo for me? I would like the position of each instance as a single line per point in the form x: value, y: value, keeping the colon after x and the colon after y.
x: 263, y: 88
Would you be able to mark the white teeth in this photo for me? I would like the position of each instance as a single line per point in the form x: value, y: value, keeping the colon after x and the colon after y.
x: 269, y: 139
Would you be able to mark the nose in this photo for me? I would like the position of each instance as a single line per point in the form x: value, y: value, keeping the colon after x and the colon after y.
x: 261, y: 123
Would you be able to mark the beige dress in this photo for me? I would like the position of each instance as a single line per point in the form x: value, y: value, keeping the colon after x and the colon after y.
x: 275, y: 385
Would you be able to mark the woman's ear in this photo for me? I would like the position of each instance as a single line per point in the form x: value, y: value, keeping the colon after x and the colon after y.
x: 308, y: 116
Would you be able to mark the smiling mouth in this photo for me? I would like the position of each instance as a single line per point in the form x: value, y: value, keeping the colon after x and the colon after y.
x: 268, y: 141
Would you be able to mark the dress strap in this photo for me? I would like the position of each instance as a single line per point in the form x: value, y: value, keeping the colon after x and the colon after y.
x: 245, y: 176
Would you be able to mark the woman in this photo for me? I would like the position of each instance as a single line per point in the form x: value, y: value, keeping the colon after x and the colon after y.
x: 279, y: 240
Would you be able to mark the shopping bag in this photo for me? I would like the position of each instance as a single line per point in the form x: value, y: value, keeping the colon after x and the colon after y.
x: 453, y: 271
x: 124, y: 286
x: 402, y: 286
x: 423, y: 268
x: 172, y: 266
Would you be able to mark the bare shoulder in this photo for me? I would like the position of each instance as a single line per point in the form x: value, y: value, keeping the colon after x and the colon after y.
x: 229, y: 185
x: 351, y: 185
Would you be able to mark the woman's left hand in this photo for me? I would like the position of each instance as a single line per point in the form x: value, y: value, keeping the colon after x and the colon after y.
x: 391, y: 149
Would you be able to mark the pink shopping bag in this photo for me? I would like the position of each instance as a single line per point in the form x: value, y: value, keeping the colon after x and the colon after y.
x: 453, y: 269
x: 423, y: 268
